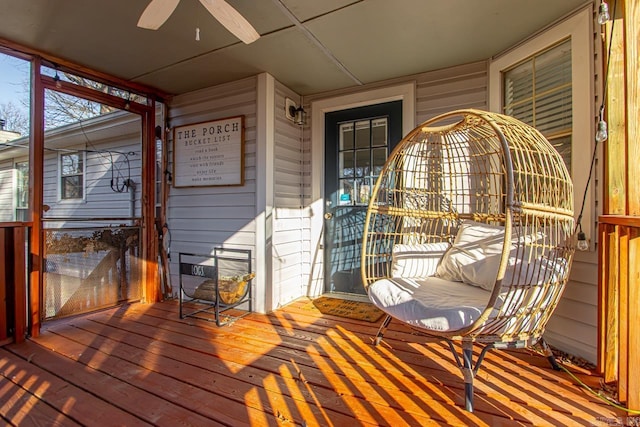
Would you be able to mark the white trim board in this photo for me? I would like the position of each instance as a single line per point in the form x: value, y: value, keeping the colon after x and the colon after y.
x: 404, y: 92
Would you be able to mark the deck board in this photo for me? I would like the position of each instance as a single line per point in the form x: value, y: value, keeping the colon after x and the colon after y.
x: 140, y: 364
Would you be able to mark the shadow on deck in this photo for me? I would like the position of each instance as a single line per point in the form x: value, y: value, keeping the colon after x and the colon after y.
x: 140, y: 364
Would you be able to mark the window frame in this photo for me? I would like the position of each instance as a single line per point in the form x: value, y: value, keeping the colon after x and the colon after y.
x: 83, y: 154
x: 17, y: 207
x: 579, y: 29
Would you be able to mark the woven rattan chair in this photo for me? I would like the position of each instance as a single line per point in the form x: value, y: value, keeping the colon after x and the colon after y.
x: 468, y: 235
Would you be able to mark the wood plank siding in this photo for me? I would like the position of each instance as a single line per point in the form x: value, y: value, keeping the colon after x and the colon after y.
x: 142, y: 365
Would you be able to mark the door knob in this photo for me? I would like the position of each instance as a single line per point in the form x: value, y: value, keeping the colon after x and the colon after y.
x: 328, y: 215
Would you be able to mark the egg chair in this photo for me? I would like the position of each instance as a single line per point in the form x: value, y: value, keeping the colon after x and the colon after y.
x: 469, y: 235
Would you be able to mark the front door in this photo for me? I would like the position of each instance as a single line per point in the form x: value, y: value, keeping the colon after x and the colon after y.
x: 357, y: 143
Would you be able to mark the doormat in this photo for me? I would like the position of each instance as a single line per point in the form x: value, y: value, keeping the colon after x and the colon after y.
x: 357, y: 310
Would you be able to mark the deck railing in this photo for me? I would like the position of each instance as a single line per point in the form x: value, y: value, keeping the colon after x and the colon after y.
x: 619, y: 309
x: 88, y: 266
x: 13, y: 281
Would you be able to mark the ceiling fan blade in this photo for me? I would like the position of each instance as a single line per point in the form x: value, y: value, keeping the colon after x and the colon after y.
x: 231, y: 20
x: 156, y: 13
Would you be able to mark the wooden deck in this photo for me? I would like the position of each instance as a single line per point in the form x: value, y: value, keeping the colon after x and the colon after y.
x: 141, y: 365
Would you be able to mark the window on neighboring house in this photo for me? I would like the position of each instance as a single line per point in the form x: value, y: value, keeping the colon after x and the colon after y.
x: 22, y: 191
x: 538, y: 92
x: 72, y: 175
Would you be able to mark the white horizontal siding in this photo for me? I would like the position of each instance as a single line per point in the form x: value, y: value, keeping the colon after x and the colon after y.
x: 288, y: 238
x: 574, y: 325
x: 441, y: 91
x: 201, y: 218
x: 7, y: 192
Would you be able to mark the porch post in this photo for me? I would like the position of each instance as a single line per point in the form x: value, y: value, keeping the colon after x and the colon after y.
x: 36, y: 177
x: 151, y: 285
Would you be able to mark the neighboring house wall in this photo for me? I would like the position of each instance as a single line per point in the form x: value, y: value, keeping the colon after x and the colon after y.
x: 7, y: 191
x: 100, y: 199
x: 103, y: 140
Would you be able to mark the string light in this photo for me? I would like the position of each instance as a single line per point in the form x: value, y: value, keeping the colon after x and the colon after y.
x: 582, y: 244
x: 603, y: 13
x: 602, y: 132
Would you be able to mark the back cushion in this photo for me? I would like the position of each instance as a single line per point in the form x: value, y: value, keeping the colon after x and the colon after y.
x: 474, y: 257
x: 419, y: 260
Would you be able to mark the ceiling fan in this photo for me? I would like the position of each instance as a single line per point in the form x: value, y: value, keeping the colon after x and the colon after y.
x: 158, y: 11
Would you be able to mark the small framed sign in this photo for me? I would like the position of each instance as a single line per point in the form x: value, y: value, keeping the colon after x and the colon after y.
x: 209, y: 153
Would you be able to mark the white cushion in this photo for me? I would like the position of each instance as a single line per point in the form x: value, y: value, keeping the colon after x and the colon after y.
x: 474, y: 257
x: 419, y: 260
x: 431, y: 303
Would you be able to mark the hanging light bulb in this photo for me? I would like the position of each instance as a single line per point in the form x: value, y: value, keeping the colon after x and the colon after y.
x: 582, y: 245
x: 602, y: 133
x: 603, y: 13
x: 56, y: 79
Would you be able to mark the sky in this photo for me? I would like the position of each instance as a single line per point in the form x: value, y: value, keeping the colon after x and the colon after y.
x: 14, y: 73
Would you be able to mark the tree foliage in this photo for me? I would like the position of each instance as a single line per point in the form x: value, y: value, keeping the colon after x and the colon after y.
x: 16, y: 118
x: 62, y: 109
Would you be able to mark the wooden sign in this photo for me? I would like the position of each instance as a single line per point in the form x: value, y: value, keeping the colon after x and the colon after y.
x: 209, y: 153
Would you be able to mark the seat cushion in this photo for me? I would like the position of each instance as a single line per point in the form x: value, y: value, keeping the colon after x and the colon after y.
x: 418, y: 260
x: 430, y: 303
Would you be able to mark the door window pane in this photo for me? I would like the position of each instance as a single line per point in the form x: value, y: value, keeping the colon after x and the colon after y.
x: 363, y: 134
x: 345, y: 192
x: 346, y: 164
x: 379, y: 158
x: 346, y: 136
x: 379, y: 133
x: 363, y: 163
x: 361, y: 157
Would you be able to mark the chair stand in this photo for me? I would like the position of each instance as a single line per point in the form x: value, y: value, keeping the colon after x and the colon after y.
x: 381, y: 330
x: 549, y: 355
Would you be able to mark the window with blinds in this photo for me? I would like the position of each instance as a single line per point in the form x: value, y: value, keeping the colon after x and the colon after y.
x: 538, y: 92
x: 72, y: 175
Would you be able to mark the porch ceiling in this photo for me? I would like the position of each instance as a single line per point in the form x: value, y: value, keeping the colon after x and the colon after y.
x: 310, y: 46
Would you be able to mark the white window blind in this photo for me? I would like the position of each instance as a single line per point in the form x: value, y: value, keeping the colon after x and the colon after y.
x: 538, y: 91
